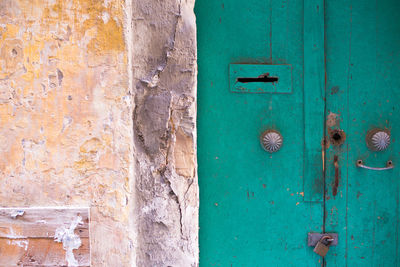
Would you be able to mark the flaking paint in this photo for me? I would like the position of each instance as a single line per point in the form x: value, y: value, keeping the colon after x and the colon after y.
x: 65, y: 115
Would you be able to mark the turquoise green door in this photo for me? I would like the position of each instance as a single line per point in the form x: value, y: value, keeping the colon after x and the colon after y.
x: 337, y: 65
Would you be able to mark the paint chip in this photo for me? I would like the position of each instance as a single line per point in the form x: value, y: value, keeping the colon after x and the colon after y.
x: 16, y: 213
x: 105, y: 17
x: 69, y: 239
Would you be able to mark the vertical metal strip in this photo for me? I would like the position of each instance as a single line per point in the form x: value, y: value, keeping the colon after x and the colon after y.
x: 314, y: 100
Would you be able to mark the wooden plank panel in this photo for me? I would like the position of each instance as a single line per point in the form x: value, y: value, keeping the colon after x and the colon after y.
x: 363, y: 59
x: 338, y: 34
x: 284, y: 50
x: 35, y: 223
x: 44, y: 237
x: 314, y: 96
x: 373, y: 203
x: 254, y: 198
x: 40, y: 252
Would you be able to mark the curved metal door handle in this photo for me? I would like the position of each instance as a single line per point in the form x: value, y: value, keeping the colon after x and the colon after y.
x: 389, y: 165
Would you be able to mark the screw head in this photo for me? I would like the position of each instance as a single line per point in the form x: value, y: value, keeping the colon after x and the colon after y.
x: 271, y: 141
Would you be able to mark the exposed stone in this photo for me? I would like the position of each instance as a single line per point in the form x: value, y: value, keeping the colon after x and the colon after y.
x: 184, y: 154
x: 164, y: 82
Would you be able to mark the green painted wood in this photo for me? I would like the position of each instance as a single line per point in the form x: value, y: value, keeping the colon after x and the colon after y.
x: 338, y: 32
x: 251, y: 208
x: 282, y: 72
x: 363, y: 61
x: 314, y: 95
x: 251, y: 211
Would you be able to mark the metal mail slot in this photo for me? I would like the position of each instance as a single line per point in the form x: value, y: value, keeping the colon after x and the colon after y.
x: 260, y: 78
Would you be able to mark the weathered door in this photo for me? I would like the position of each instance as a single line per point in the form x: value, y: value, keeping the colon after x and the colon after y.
x: 256, y: 207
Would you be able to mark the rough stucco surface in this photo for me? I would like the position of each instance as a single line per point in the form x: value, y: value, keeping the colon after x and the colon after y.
x: 97, y: 109
x: 66, y: 115
x: 164, y: 89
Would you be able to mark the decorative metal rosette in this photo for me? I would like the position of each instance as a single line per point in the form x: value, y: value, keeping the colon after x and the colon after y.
x: 378, y: 139
x: 271, y: 140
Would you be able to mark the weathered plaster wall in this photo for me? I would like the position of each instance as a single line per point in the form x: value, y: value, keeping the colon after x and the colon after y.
x: 98, y: 109
x: 66, y: 115
x: 164, y: 86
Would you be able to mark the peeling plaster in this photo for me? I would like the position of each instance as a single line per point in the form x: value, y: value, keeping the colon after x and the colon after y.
x: 17, y: 213
x: 20, y: 243
x: 164, y: 88
x: 65, y: 78
x: 70, y: 240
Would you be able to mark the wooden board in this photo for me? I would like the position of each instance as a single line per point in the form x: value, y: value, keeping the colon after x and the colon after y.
x: 363, y: 62
x: 44, y: 237
x: 314, y: 104
x: 252, y: 211
x: 345, y: 60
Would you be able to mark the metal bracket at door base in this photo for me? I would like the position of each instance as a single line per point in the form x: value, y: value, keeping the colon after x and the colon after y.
x: 313, y: 238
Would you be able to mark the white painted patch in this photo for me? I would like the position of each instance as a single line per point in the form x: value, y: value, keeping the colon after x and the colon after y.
x: 84, y: 17
x: 69, y: 239
x: 153, y: 82
x: 66, y: 122
x: 20, y: 243
x: 17, y: 213
x: 106, y: 3
x: 106, y: 17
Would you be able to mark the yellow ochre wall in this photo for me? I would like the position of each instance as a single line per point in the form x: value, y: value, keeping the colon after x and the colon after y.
x: 66, y: 115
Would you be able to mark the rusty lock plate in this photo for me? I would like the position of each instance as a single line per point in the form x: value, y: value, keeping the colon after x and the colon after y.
x: 313, y: 238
